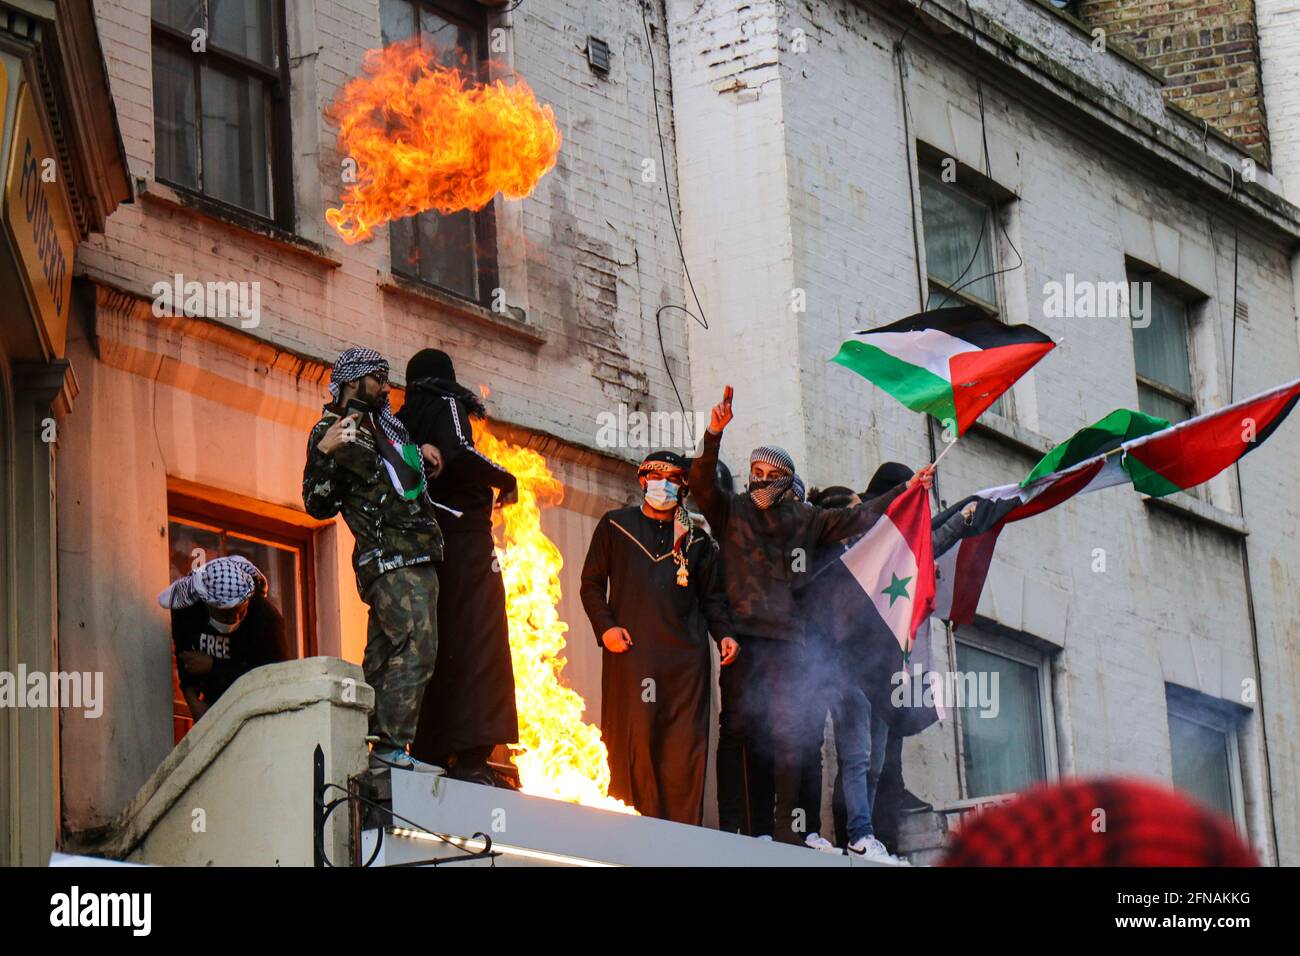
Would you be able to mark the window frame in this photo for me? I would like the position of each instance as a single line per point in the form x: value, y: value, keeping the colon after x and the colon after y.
x: 194, y: 510
x: 1197, y: 708
x: 475, y: 17
x: 1137, y: 272
x: 992, y: 210
x: 999, y: 641
x: 280, y: 124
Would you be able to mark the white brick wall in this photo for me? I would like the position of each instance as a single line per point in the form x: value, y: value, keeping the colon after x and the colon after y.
x: 1171, y: 605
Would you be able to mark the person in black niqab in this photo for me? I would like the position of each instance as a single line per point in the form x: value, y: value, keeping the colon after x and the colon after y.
x: 469, y: 705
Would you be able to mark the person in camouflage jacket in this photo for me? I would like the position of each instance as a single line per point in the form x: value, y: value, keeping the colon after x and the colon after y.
x: 360, y: 463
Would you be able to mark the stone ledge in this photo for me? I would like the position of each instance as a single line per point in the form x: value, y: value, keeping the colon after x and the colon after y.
x: 512, y: 323
x: 264, y: 691
x: 1188, y: 506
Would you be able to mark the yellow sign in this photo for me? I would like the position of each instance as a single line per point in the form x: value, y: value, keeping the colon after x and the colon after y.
x: 38, y: 219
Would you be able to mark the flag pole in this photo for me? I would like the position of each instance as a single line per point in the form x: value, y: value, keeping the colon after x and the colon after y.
x: 945, y: 451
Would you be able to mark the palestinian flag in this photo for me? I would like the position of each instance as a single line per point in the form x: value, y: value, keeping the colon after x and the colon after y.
x: 405, y: 466
x: 949, y: 363
x: 1196, y: 450
x: 963, y: 568
x: 1115, y: 429
x: 1158, y: 462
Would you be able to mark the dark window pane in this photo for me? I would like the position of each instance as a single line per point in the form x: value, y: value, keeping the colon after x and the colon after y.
x: 181, y: 14
x: 456, y: 45
x: 436, y: 249
x: 958, y: 236
x: 1003, y: 753
x: 405, y: 255
x: 190, y: 546
x: 236, y: 148
x: 446, y: 252
x: 280, y: 565
x: 175, y: 133
x: 1160, y: 348
x: 243, y: 26
x: 396, y: 20
x: 1157, y: 403
x: 1200, y: 762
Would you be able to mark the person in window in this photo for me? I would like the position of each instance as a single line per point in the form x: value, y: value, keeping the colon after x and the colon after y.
x: 469, y: 705
x: 652, y: 588
x: 223, y: 626
x: 361, y: 462
x: 769, y: 537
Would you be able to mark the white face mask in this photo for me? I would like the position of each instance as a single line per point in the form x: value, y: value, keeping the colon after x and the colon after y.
x: 660, y: 493
x: 221, y: 628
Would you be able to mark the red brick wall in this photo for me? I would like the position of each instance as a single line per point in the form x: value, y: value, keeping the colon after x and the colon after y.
x: 1207, y: 50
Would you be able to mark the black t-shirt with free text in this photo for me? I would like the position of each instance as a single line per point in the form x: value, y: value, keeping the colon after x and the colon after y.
x: 258, y: 640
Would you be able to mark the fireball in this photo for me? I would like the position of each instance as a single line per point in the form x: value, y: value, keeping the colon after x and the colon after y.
x: 428, y: 136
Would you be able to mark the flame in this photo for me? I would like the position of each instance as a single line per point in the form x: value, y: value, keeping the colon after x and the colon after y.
x: 559, y: 755
x: 427, y: 136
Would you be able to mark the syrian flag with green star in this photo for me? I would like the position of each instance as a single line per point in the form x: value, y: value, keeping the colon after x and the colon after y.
x: 893, y: 567
x: 949, y: 363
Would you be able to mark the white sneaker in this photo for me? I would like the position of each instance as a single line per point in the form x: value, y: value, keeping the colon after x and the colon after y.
x: 764, y: 836
x: 869, y: 848
x: 819, y: 842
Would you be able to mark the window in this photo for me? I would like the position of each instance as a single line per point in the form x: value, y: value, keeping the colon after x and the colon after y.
x: 1160, y: 351
x: 959, y: 253
x: 1008, y: 740
x: 199, y: 530
x: 221, y: 110
x: 455, y: 253
x: 1203, y: 750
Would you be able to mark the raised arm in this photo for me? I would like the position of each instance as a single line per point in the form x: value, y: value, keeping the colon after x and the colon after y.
x: 714, y: 502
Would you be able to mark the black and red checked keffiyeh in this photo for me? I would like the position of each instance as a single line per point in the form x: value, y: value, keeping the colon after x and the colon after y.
x: 1104, y: 822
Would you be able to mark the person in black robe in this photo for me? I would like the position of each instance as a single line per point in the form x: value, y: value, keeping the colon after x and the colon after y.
x: 652, y: 586
x: 469, y: 704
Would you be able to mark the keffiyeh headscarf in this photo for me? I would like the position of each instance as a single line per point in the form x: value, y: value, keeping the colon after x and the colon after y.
x: 358, y: 362
x: 773, y: 491
x: 220, y: 583
x: 656, y: 465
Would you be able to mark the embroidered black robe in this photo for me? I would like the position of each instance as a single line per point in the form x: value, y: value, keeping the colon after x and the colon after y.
x: 655, y: 696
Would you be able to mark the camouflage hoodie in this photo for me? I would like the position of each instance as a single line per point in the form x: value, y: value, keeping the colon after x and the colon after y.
x: 390, y: 531
x: 767, y: 553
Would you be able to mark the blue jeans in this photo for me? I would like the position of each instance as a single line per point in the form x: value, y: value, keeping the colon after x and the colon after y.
x: 860, y: 738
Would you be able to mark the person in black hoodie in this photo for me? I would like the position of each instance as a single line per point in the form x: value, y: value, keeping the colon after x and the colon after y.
x: 469, y: 705
x: 223, y: 626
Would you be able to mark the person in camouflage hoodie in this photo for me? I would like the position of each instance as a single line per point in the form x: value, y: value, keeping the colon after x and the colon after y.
x: 769, y: 537
x: 360, y: 462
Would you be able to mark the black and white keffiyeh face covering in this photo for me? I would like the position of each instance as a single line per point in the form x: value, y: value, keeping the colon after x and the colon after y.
x: 764, y: 494
x: 358, y: 362
x: 221, y: 583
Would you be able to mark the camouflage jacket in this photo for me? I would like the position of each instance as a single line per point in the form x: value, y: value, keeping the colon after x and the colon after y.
x: 768, y: 553
x: 390, y: 531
